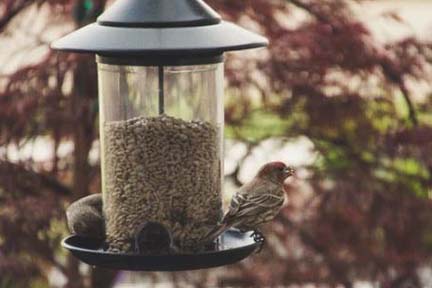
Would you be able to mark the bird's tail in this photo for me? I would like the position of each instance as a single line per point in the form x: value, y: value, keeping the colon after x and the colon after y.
x: 215, y: 232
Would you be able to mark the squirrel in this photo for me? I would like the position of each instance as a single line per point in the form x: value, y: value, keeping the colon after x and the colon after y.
x: 85, y: 217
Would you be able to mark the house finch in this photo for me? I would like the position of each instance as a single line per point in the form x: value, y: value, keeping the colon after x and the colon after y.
x: 257, y: 202
x: 85, y: 217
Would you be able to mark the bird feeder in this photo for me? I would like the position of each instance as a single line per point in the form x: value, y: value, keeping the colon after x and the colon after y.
x: 160, y: 72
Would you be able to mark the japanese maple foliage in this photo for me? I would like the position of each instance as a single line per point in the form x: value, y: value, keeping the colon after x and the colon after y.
x: 369, y: 216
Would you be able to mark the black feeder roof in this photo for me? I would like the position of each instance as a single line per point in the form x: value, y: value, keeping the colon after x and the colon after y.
x: 159, y: 27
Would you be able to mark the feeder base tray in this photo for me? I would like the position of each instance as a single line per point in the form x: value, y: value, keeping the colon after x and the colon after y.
x: 233, y: 247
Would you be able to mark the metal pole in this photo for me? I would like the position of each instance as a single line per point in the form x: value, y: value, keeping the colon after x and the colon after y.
x: 161, y: 91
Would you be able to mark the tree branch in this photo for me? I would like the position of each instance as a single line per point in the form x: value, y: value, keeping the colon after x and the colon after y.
x: 14, y: 177
x: 308, y: 9
x: 411, y: 110
x: 12, y: 12
x: 386, y: 64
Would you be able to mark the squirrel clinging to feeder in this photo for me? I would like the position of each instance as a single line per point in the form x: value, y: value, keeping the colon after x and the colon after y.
x: 85, y: 217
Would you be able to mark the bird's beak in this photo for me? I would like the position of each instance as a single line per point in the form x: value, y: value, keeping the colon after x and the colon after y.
x: 289, y: 171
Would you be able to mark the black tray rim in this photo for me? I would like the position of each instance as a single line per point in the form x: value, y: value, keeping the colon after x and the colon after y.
x: 100, y: 252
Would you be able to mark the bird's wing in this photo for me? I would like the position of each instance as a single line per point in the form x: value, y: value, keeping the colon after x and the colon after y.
x: 239, y: 198
x: 251, y: 205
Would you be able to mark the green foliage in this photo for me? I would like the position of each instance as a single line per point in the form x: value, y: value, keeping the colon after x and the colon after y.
x: 39, y: 283
x: 259, y: 125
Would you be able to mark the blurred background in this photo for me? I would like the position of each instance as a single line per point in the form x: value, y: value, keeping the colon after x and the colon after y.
x: 343, y: 93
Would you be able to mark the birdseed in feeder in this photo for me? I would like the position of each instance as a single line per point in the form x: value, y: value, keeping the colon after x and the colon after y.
x: 161, y: 169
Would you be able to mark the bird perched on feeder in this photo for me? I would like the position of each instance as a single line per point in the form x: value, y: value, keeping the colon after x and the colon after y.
x: 153, y: 238
x: 85, y: 217
x: 257, y: 202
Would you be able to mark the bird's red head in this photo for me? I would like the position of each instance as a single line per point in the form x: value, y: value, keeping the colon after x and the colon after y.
x: 275, y: 171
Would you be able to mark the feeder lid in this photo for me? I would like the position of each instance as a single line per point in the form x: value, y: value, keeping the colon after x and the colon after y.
x: 159, y: 27
x: 159, y: 14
